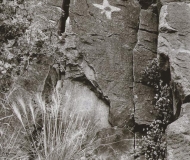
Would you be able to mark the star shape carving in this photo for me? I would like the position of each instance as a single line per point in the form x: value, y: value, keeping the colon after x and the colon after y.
x: 107, y: 8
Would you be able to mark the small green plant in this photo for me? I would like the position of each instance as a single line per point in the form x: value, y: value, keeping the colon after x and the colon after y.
x: 154, y: 145
x: 151, y: 75
x: 164, y: 103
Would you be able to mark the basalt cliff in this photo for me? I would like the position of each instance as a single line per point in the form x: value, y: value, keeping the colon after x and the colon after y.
x: 106, y: 49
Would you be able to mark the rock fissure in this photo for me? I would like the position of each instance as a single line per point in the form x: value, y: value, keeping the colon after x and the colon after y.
x: 105, y: 44
x: 154, y: 32
x: 174, y: 19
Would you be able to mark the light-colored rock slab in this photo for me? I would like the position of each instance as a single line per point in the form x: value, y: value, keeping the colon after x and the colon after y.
x: 78, y: 97
x: 163, y: 2
x: 178, y: 139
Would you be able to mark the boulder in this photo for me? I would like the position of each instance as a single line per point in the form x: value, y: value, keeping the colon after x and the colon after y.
x: 174, y: 52
x: 178, y: 139
x: 173, y: 44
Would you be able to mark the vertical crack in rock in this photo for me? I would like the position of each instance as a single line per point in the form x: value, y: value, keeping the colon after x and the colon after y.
x: 173, y: 45
x: 107, y: 57
x: 134, y: 96
x: 64, y: 16
x: 77, y: 83
x: 105, y: 41
x: 143, y: 53
x: 173, y: 42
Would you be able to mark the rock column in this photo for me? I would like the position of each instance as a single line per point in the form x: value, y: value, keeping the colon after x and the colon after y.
x: 174, y: 50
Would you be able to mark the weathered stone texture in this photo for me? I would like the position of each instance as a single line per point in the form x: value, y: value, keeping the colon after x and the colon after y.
x: 144, y: 51
x: 173, y: 42
x: 57, y: 3
x: 185, y: 109
x: 144, y: 106
x: 148, y: 21
x: 163, y: 2
x: 107, y: 44
x: 33, y: 78
x: 116, y: 144
x: 178, y: 139
x: 79, y: 98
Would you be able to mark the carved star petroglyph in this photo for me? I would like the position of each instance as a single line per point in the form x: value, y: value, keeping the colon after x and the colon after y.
x: 107, y: 8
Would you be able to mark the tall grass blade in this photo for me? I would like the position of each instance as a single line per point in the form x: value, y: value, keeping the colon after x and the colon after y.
x: 17, y: 113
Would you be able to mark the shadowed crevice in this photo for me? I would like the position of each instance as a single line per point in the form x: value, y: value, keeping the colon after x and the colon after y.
x: 64, y: 16
x: 145, y: 4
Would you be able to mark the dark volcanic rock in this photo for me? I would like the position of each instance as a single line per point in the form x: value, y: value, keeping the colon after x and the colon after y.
x: 144, y: 51
x: 107, y: 33
x: 173, y: 42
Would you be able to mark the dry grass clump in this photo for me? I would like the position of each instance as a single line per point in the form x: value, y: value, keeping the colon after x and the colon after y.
x: 50, y: 131
x: 9, y: 140
x: 8, y: 146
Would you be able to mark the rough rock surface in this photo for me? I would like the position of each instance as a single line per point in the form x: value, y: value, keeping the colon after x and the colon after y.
x: 173, y: 42
x: 106, y: 46
x: 174, y: 52
x: 144, y: 51
x: 185, y: 109
x: 33, y: 79
x: 57, y: 3
x: 116, y: 144
x: 81, y: 99
x: 42, y: 78
x: 178, y: 139
x: 163, y: 2
x: 107, y: 32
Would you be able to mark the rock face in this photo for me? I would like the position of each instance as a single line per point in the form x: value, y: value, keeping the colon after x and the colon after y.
x: 173, y: 42
x: 107, y: 32
x: 44, y: 75
x: 144, y: 51
x: 80, y: 98
x: 174, y: 52
x: 163, y: 2
x: 33, y: 78
x: 178, y: 140
x: 116, y: 144
x: 106, y: 45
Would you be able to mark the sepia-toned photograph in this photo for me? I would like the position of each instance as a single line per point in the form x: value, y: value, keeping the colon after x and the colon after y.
x: 94, y: 79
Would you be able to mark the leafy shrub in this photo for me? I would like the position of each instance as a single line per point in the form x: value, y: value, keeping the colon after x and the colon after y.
x: 151, y: 75
x: 12, y: 26
x: 23, y: 42
x: 164, y: 103
x: 154, y: 145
